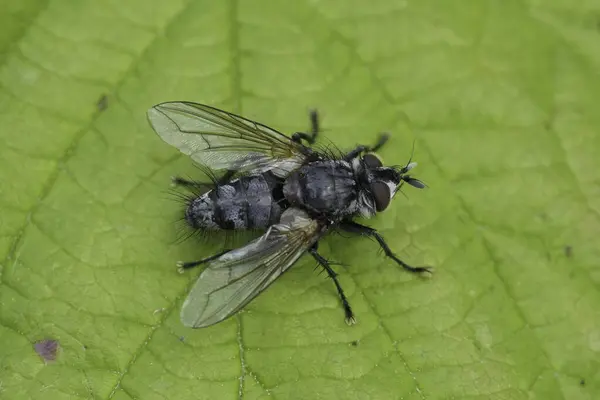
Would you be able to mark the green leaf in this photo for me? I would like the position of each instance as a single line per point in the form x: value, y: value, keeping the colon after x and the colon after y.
x: 501, y: 99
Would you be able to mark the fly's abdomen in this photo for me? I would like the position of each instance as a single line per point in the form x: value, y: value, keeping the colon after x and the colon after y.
x: 245, y: 203
x: 327, y: 187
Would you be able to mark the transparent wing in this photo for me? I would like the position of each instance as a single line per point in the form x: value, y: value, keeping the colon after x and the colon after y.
x: 234, y: 279
x: 221, y: 140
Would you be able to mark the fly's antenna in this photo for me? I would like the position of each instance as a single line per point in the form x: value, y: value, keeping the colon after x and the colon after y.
x: 410, y: 165
x: 413, y: 182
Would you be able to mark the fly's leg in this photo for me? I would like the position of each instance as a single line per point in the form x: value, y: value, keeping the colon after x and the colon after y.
x: 350, y: 320
x: 226, y: 177
x: 182, y: 266
x: 311, y: 137
x: 179, y: 181
x: 353, y: 227
x: 383, y: 138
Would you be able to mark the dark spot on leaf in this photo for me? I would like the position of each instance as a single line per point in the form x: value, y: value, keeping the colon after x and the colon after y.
x: 354, y: 343
x: 47, y: 349
x: 181, y: 338
x: 102, y: 103
x: 582, y: 382
x: 568, y: 251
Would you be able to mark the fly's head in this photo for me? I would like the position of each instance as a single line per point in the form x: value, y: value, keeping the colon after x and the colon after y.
x: 382, y: 183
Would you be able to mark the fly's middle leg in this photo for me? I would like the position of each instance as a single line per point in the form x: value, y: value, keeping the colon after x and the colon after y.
x: 383, y: 138
x: 311, y: 137
x: 353, y: 227
x: 182, y: 266
x: 350, y: 320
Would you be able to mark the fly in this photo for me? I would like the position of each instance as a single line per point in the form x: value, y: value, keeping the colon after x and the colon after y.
x: 276, y: 183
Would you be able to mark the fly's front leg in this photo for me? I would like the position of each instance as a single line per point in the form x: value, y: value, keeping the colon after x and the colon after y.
x: 383, y: 138
x: 353, y: 227
x: 182, y: 266
x: 311, y: 137
x: 350, y: 320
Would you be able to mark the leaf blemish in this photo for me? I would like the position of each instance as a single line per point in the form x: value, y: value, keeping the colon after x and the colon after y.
x: 102, y: 103
x: 47, y: 349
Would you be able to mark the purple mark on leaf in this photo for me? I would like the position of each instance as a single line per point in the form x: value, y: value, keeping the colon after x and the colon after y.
x: 47, y: 349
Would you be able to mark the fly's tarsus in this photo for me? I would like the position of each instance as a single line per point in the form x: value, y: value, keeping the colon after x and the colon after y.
x: 383, y: 138
x: 323, y: 262
x: 187, y: 183
x: 353, y: 227
x: 314, y: 123
x: 179, y: 181
x: 182, y: 265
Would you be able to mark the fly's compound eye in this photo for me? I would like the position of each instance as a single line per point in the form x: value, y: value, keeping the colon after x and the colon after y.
x: 381, y: 194
x: 372, y: 160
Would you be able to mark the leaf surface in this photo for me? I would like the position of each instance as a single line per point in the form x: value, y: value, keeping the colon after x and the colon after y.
x: 501, y: 99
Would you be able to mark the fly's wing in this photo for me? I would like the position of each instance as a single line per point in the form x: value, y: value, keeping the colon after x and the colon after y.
x: 234, y: 279
x: 221, y: 140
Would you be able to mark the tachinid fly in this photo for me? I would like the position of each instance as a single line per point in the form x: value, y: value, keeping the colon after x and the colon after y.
x: 273, y: 182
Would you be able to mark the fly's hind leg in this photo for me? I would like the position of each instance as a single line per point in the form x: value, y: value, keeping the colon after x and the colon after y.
x: 226, y: 177
x: 353, y: 227
x: 182, y: 266
x: 179, y: 181
x: 350, y: 320
x: 383, y: 138
x: 311, y: 137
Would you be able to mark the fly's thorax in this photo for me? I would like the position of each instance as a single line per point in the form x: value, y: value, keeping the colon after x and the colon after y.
x: 323, y: 187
